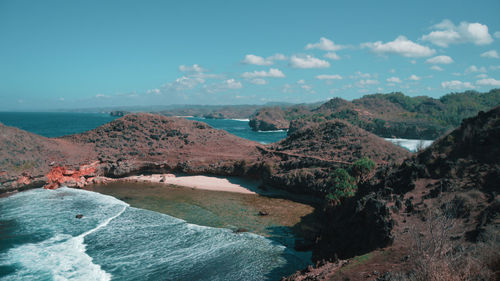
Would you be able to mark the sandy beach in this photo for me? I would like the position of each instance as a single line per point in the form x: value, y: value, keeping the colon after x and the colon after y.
x: 200, y: 182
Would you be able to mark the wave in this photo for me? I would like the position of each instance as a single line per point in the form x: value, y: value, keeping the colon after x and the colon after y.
x: 116, y: 241
x: 62, y: 256
x: 242, y: 120
x: 411, y: 144
x: 272, y: 131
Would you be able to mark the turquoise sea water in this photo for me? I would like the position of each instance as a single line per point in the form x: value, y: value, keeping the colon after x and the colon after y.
x: 41, y: 239
x: 56, y: 124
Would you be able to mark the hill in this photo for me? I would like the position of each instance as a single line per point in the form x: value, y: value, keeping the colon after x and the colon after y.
x: 387, y: 115
x: 436, y: 216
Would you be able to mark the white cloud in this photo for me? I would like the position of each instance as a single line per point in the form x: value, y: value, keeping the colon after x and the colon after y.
x: 414, y: 77
x: 473, y: 69
x: 494, y: 67
x: 253, y: 59
x: 153, y: 91
x: 413, y: 61
x: 394, y: 80
x: 488, y: 82
x: 258, y: 81
x: 277, y: 56
x: 232, y: 84
x: 368, y: 82
x: 273, y: 72
x: 360, y: 74
x: 497, y: 34
x: 185, y: 82
x: 400, y: 46
x: 456, y: 85
x: 257, y: 60
x: 447, y: 33
x: 440, y: 60
x: 492, y: 54
x: 436, y: 68
x: 308, y: 61
x: 482, y: 76
x: 329, y: 77
x: 191, y: 68
x: 325, y: 45
x: 332, y: 56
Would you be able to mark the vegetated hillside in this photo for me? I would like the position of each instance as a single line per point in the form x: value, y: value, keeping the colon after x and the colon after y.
x: 307, y: 160
x: 278, y: 118
x: 25, y: 158
x: 177, y: 143
x: 218, y: 111
x: 437, y: 215
x: 390, y: 115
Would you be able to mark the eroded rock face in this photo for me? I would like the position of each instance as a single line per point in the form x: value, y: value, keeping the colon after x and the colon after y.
x: 135, y: 143
x: 79, y: 177
x: 269, y: 119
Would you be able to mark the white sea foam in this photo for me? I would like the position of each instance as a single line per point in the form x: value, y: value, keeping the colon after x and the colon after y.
x: 411, y: 145
x: 63, y: 256
x: 242, y: 120
x: 272, y: 131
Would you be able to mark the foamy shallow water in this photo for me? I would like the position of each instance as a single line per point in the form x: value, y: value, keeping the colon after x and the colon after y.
x: 40, y: 239
x: 411, y: 145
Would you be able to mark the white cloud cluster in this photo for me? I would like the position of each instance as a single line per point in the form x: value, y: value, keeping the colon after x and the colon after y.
x: 308, y: 61
x: 436, y: 68
x: 367, y: 82
x: 492, y: 54
x: 191, y: 68
x: 414, y: 77
x: 473, y: 69
x: 448, y: 33
x: 329, y: 77
x: 497, y: 34
x: 488, y: 82
x: 232, y: 84
x: 456, y: 85
x: 258, y: 81
x: 400, y: 46
x: 394, y: 80
x: 440, y: 60
x: 332, y: 56
x: 257, y: 60
x: 272, y: 73
x: 325, y: 45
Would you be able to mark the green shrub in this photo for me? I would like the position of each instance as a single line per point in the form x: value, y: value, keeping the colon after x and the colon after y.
x: 342, y: 186
x: 362, y: 167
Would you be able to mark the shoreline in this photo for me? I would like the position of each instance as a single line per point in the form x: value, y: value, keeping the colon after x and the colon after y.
x: 203, y: 182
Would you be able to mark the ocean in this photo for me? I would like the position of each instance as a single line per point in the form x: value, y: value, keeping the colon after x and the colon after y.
x: 56, y: 124
x: 41, y: 239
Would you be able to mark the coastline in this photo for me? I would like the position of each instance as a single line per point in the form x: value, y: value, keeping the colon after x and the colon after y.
x: 224, y: 184
x: 278, y: 218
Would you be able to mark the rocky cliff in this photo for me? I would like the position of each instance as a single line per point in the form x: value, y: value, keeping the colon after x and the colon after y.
x: 133, y: 144
x: 436, y: 216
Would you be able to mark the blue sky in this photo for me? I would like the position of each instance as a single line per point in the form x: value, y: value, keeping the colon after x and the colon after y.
x: 73, y: 54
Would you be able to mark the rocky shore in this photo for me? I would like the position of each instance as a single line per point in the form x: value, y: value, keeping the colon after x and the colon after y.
x: 378, y: 203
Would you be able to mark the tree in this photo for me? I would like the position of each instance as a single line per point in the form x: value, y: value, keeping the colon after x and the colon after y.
x: 362, y: 167
x: 342, y: 186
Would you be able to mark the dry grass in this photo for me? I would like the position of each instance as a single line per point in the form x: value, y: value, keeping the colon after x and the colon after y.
x: 437, y: 257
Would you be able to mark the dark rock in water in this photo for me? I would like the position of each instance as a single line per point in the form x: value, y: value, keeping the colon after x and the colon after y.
x: 263, y: 213
x: 241, y: 230
x: 79, y: 216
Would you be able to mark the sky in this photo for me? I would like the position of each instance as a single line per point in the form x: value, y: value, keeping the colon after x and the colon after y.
x: 78, y: 54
